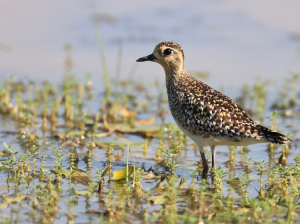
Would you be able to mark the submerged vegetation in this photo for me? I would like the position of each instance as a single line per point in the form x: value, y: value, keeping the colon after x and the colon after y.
x: 70, y: 155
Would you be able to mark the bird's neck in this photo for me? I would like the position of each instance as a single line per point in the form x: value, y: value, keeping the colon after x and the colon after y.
x: 177, y: 76
x: 176, y: 80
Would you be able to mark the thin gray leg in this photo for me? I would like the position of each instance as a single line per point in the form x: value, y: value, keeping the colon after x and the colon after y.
x: 203, y: 158
x: 213, y: 155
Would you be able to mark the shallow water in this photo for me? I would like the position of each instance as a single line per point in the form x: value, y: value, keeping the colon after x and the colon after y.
x: 235, y: 42
x: 91, y: 208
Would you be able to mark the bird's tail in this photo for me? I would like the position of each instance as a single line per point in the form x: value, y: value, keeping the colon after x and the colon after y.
x: 274, y: 137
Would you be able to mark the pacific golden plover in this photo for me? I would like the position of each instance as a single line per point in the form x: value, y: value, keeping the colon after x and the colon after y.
x: 207, y: 116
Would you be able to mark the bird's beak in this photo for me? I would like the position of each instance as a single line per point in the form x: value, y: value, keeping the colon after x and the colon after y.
x: 150, y: 57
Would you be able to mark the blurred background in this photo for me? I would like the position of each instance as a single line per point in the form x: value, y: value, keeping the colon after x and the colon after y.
x: 233, y: 40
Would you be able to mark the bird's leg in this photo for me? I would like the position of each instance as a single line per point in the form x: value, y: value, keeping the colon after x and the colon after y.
x: 213, y: 155
x: 204, y: 162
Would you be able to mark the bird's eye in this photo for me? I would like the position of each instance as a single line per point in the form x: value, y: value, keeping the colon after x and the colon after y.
x: 168, y: 51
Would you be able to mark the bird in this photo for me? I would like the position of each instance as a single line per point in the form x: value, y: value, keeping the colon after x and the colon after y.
x: 204, y: 114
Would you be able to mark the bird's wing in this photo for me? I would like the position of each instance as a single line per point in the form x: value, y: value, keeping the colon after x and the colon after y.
x: 214, y: 113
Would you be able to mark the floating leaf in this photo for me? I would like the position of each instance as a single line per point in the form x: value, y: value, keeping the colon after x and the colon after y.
x: 121, y: 174
x: 16, y: 199
x: 82, y: 178
x: 4, y: 162
x: 3, y: 206
x: 127, y: 113
x: 148, y: 121
x: 159, y: 199
x: 84, y: 192
x: 233, y: 182
x: 6, y: 188
x: 79, y: 170
x: 100, y: 135
x: 71, y: 134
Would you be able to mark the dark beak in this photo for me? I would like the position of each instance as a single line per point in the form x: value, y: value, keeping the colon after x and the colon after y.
x: 150, y: 57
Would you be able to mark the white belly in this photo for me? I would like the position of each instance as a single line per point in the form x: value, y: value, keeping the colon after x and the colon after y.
x: 208, y: 140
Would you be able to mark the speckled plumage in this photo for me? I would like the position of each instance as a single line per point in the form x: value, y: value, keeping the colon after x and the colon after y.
x: 207, y: 116
x: 203, y: 111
